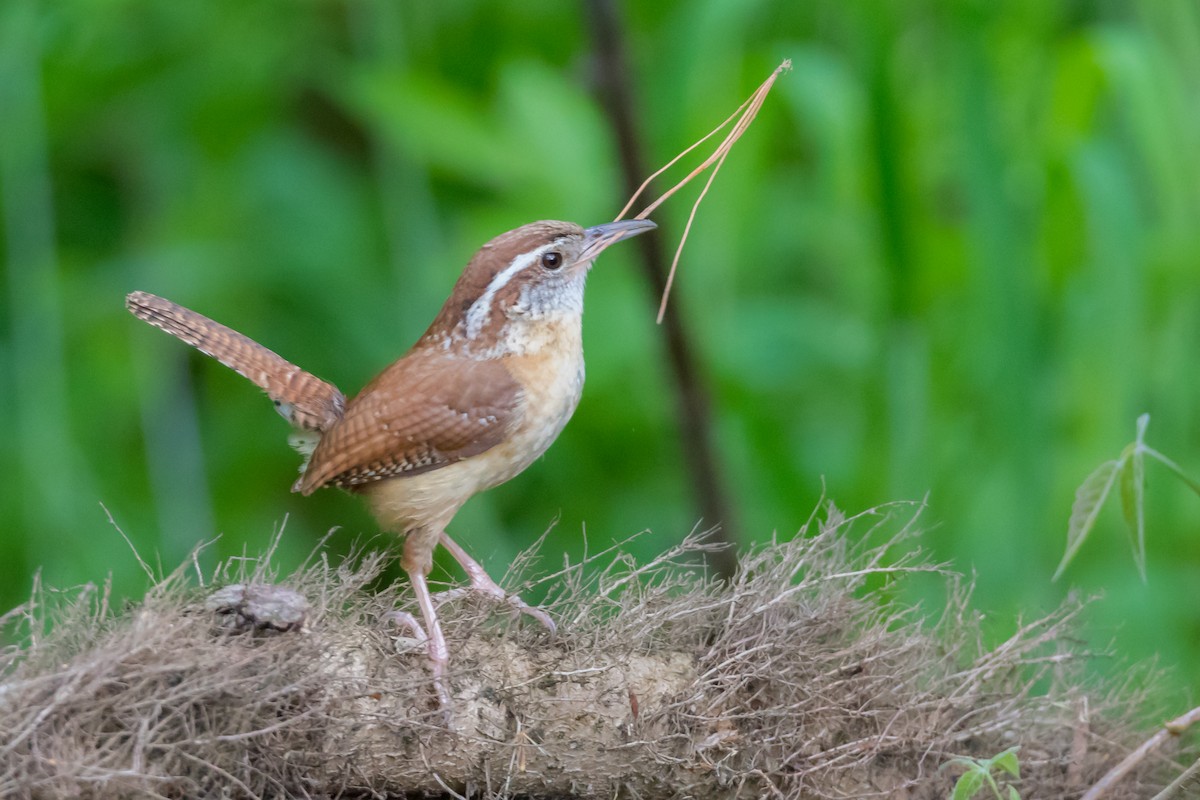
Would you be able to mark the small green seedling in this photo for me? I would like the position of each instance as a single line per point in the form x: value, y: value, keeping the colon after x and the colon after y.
x: 979, y: 774
x: 1128, y: 472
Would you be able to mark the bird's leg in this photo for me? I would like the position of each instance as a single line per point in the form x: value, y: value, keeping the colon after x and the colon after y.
x: 482, y: 582
x: 418, y: 565
x: 439, y: 654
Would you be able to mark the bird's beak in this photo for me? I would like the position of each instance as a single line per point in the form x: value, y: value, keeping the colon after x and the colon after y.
x: 597, y: 238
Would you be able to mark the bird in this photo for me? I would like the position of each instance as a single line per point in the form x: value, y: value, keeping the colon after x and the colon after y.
x: 478, y: 398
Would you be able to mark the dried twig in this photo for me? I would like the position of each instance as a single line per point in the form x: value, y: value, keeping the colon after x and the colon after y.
x: 744, y: 115
x: 1172, y: 729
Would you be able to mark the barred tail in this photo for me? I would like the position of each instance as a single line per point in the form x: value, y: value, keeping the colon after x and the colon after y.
x: 302, y: 398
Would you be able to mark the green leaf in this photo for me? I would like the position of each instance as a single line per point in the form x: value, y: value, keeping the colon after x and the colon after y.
x: 967, y: 785
x: 1008, y: 762
x: 1133, y: 503
x: 1013, y: 794
x: 1089, y: 499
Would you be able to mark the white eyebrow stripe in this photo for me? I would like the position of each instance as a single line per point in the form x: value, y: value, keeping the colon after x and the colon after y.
x: 481, y: 310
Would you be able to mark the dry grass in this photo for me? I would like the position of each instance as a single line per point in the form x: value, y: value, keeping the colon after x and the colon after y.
x: 792, y: 681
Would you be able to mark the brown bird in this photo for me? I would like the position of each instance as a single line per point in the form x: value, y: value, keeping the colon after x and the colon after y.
x: 479, y: 397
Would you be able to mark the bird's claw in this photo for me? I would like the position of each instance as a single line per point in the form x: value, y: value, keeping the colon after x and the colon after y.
x: 407, y: 621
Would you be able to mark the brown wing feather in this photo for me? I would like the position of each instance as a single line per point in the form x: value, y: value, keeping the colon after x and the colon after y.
x: 433, y: 410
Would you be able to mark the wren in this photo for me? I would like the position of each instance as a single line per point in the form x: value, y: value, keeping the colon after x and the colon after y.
x: 480, y: 396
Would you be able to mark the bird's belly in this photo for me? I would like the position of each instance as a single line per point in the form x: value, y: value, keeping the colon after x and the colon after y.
x: 428, y: 500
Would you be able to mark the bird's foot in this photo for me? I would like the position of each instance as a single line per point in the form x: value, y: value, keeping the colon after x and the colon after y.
x: 494, y: 591
x: 482, y: 583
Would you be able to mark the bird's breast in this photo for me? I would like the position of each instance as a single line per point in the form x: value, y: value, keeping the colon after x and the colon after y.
x: 552, y: 383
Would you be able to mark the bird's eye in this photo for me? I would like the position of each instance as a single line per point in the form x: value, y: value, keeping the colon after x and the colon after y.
x: 552, y: 259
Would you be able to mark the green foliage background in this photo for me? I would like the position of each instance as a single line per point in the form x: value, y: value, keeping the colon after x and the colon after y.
x: 956, y: 255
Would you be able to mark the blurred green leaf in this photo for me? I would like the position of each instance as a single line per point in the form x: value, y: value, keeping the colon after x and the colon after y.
x: 1089, y: 499
x: 967, y: 785
x: 979, y: 774
x: 1008, y: 761
x: 1133, y: 505
x: 1129, y: 470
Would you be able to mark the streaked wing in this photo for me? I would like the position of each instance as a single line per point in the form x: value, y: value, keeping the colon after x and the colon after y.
x: 434, y: 411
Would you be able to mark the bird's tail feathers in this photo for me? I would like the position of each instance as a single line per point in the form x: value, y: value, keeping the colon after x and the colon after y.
x: 305, y: 400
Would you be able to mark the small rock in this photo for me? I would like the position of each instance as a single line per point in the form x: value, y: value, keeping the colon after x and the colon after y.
x: 258, y: 606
